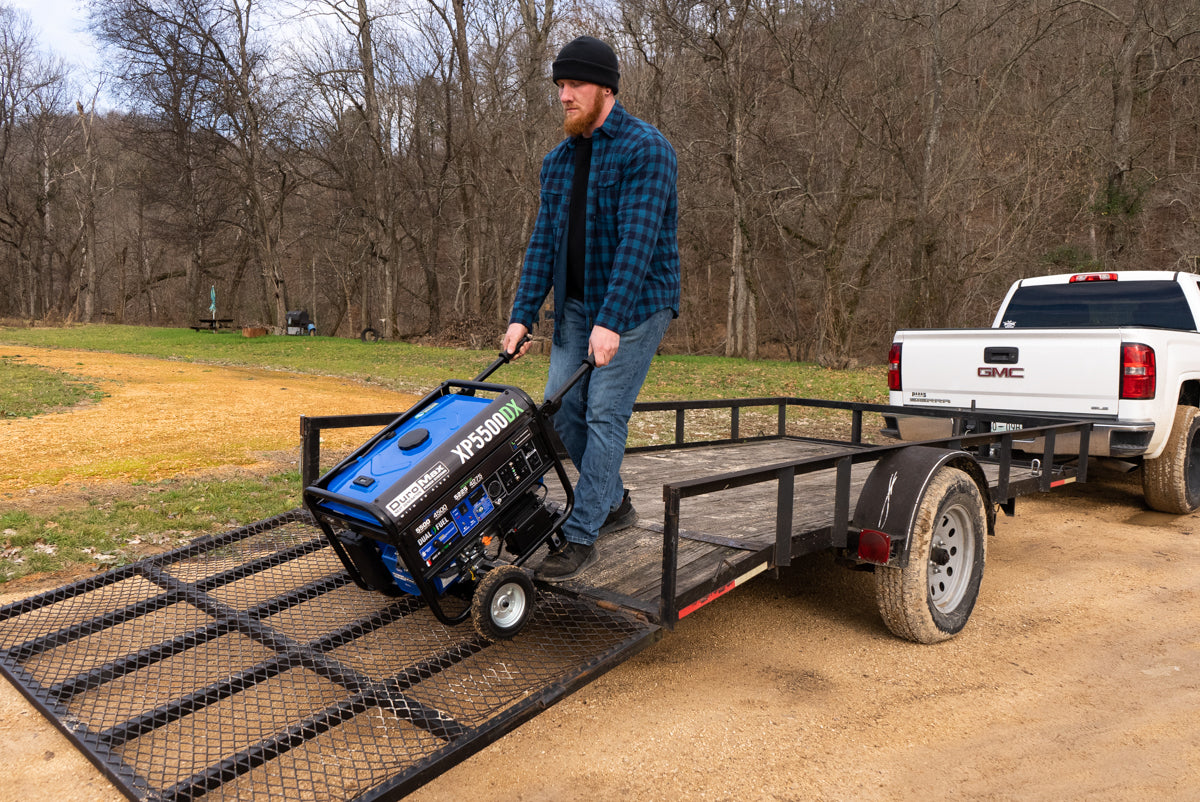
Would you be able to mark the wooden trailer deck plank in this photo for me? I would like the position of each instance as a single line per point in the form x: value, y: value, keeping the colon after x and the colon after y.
x: 720, y: 533
x: 630, y: 561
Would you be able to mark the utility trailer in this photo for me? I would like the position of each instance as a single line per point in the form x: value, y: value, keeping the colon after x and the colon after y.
x: 905, y: 510
x: 248, y: 665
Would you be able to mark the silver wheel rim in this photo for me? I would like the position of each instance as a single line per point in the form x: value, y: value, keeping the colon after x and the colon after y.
x: 951, y: 556
x: 508, y: 605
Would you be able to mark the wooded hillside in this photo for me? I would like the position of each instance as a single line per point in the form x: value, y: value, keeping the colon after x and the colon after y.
x: 845, y: 168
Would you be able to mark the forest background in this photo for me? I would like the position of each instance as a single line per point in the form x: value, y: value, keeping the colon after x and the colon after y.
x: 846, y: 169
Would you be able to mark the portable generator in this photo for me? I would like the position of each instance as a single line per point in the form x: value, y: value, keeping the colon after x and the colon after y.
x: 452, y: 496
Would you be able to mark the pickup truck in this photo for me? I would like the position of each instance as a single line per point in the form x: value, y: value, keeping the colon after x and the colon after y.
x: 1118, y: 349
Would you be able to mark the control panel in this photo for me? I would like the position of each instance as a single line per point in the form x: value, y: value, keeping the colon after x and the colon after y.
x: 462, y: 510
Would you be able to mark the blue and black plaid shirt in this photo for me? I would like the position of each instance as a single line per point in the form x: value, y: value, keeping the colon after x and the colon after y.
x: 632, y: 261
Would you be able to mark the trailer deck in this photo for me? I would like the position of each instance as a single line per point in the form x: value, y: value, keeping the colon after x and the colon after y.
x: 723, y: 534
x: 248, y: 666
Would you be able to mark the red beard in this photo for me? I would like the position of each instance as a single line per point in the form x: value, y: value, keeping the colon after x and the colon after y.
x: 583, y: 119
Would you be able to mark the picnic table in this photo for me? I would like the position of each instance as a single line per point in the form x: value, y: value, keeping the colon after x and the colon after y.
x: 213, y: 323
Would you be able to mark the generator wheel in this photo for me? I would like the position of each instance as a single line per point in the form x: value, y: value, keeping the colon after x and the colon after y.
x: 931, y: 599
x: 1171, y: 481
x: 502, y: 602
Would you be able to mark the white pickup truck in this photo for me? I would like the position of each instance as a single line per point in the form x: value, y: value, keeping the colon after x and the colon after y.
x: 1119, y: 349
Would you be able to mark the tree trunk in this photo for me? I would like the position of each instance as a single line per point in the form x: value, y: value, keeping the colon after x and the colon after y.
x: 45, y: 261
x: 88, y: 214
x: 924, y: 240
x: 1118, y: 199
x: 742, y: 322
x: 468, y: 191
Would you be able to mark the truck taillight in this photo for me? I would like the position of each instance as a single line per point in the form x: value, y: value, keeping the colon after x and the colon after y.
x: 1093, y: 277
x: 894, y: 367
x: 1137, y: 371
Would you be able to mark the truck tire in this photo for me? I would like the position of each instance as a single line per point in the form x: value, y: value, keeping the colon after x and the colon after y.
x: 1171, y: 481
x: 502, y: 602
x: 931, y: 599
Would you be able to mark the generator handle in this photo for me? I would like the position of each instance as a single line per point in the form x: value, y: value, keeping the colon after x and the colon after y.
x: 503, y: 358
x: 551, y: 404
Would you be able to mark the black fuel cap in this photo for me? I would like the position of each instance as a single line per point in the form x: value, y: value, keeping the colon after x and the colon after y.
x: 413, y: 439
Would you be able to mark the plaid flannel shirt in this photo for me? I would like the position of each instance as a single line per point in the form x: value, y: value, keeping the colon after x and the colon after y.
x: 632, y: 254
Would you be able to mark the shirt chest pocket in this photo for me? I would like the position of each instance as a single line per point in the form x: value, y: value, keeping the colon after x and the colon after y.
x: 556, y: 199
x: 607, y: 189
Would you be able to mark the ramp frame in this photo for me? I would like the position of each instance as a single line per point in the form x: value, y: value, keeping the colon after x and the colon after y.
x: 248, y: 666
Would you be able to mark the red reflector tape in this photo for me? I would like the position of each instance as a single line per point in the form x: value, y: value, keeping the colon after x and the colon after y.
x: 721, y: 591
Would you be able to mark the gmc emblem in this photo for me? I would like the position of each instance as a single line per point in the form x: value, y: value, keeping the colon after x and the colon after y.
x: 1001, y: 373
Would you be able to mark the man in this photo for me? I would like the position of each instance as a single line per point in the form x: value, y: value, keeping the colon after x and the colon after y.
x: 605, y: 241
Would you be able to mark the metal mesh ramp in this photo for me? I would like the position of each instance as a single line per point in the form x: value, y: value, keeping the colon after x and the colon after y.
x: 247, y: 666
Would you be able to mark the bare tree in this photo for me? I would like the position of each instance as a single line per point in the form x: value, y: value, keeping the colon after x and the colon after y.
x: 455, y: 17
x: 514, y: 59
x: 723, y: 38
x: 240, y: 74
x: 160, y: 58
x: 1148, y: 42
x: 88, y: 170
x: 31, y: 102
x: 344, y: 73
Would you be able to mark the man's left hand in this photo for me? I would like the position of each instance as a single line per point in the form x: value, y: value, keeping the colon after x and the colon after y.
x: 603, y: 345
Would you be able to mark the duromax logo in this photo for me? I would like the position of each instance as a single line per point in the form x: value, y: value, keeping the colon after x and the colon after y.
x: 411, y: 494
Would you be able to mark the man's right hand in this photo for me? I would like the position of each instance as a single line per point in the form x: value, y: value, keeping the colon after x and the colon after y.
x: 514, y: 340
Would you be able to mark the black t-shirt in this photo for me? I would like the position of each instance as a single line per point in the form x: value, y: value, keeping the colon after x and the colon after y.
x: 577, y: 219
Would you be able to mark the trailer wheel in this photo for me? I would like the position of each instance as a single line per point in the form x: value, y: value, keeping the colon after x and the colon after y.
x: 1171, y: 481
x: 502, y: 602
x: 931, y: 598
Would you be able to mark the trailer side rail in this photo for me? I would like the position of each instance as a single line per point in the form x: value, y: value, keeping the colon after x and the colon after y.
x: 998, y: 444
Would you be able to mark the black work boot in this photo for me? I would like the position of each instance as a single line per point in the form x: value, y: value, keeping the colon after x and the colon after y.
x: 568, y: 561
x: 620, y: 518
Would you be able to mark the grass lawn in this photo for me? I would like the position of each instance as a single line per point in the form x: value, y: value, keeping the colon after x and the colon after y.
x: 416, y: 369
x: 117, y: 528
x: 27, y: 390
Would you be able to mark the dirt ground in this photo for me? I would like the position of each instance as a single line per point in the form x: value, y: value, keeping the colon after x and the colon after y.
x: 1077, y: 678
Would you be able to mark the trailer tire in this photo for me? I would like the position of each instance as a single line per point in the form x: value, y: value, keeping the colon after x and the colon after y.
x: 502, y: 602
x: 931, y: 598
x: 1171, y: 481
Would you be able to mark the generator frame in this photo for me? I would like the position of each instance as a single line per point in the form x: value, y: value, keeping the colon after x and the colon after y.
x: 468, y: 555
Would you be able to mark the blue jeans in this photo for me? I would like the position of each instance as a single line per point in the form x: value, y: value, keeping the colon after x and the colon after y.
x: 593, y: 421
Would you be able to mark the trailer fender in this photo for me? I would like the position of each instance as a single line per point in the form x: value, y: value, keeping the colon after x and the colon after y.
x: 893, y: 492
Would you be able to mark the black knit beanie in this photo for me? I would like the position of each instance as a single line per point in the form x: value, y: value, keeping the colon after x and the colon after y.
x: 587, y: 59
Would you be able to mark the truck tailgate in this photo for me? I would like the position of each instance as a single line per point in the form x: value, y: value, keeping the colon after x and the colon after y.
x: 1028, y: 370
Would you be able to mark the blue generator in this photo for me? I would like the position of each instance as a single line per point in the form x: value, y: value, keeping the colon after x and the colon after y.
x: 452, y: 496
